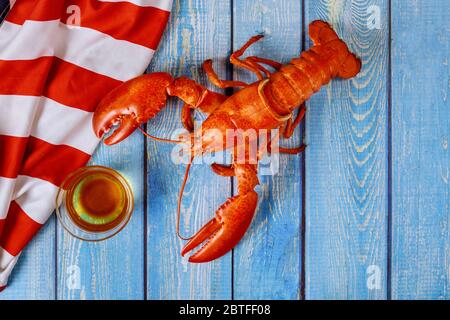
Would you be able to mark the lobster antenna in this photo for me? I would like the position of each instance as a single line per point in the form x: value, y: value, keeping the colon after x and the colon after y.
x: 157, y: 138
x: 180, y: 197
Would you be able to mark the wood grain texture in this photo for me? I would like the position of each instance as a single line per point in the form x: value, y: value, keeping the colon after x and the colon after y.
x: 267, y: 261
x: 111, y: 269
x: 420, y: 153
x: 198, y: 30
x: 33, y: 277
x: 346, y: 163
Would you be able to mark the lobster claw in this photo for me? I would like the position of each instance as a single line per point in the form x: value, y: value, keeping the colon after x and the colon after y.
x: 225, y: 230
x: 131, y: 104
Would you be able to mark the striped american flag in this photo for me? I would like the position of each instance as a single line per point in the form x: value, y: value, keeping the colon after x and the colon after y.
x: 58, y: 58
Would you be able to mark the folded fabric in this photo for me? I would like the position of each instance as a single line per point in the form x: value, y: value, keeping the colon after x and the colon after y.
x: 58, y: 58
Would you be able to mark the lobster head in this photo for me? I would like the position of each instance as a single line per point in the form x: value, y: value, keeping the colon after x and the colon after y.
x: 131, y: 104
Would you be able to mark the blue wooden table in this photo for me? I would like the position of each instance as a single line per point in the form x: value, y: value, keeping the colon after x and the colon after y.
x: 362, y: 214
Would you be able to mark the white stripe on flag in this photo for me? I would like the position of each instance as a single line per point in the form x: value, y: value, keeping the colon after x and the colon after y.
x: 36, y: 197
x: 84, y: 47
x: 7, y: 263
x: 161, y: 4
x: 6, y: 191
x: 58, y: 124
x: 17, y: 114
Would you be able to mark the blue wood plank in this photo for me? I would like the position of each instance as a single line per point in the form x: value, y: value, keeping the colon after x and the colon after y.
x: 267, y: 262
x: 420, y: 153
x: 111, y: 269
x: 346, y: 162
x: 198, y: 30
x: 33, y: 277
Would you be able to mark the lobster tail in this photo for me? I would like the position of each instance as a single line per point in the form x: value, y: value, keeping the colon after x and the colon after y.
x: 346, y: 65
x: 296, y: 82
x: 350, y: 67
x: 321, y: 32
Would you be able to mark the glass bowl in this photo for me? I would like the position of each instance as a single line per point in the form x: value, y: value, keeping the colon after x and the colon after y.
x: 94, y: 203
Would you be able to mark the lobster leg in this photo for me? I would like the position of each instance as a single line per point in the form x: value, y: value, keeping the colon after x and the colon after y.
x: 274, y: 64
x: 214, y: 78
x: 257, y: 61
x: 248, y: 63
x: 291, y: 126
x: 296, y: 150
x: 269, y: 142
x: 231, y: 221
x: 223, y: 170
x: 251, y: 63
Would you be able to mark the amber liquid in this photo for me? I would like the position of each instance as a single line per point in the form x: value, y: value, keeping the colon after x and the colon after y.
x: 96, y: 202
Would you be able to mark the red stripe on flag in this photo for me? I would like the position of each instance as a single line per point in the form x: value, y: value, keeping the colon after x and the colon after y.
x: 21, y: 77
x: 2, y: 223
x: 18, y: 230
x: 51, y: 162
x: 120, y: 20
x: 77, y: 87
x: 42, y: 160
x: 56, y: 79
x: 12, y: 150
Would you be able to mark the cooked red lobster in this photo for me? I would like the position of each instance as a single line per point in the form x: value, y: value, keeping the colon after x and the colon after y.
x: 266, y: 104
